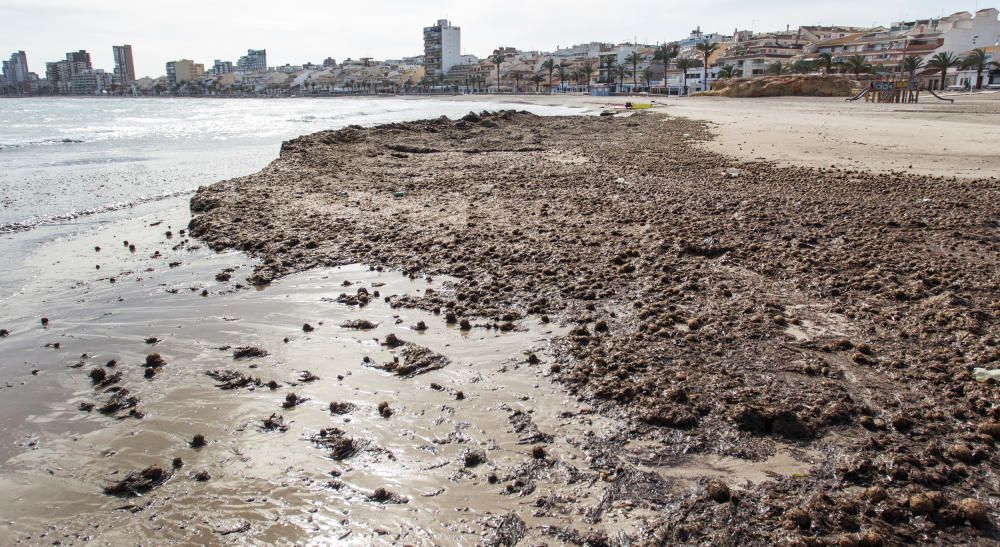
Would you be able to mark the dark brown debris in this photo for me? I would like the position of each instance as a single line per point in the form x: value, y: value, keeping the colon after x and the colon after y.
x: 137, y: 483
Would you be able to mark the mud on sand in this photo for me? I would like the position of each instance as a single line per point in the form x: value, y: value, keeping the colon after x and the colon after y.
x: 730, y: 309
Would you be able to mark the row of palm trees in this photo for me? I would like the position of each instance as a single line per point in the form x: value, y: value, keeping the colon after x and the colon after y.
x: 978, y: 59
x: 566, y: 73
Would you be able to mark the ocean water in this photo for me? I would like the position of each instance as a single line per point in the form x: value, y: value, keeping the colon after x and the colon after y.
x: 69, y: 164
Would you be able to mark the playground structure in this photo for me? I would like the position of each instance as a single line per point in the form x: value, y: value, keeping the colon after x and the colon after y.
x: 894, y: 91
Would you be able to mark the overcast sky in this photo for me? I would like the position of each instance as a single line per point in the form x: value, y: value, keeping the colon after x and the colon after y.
x: 297, y: 31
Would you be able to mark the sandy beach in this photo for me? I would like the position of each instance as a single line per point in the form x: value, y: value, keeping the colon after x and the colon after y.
x: 931, y: 137
x: 741, y: 309
x: 716, y: 322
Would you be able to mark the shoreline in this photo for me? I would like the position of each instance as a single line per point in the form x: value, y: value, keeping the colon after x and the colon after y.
x: 720, y: 307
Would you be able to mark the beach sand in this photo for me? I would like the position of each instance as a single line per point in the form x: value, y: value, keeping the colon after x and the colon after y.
x: 717, y: 307
x: 928, y: 138
x: 641, y: 328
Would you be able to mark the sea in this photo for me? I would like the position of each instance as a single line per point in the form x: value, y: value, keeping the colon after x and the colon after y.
x: 68, y: 165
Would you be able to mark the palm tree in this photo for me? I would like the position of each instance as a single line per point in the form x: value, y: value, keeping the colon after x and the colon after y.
x: 498, y: 58
x: 802, y: 67
x: 911, y: 64
x: 619, y: 71
x: 563, y: 70
x: 776, y: 68
x: 537, y: 79
x: 683, y: 65
x: 824, y: 60
x: 943, y: 61
x: 516, y: 77
x: 550, y: 65
x: 634, y: 58
x: 727, y: 71
x: 647, y: 76
x: 978, y: 60
x: 856, y: 64
x: 707, y: 49
x: 587, y: 71
x: 665, y: 53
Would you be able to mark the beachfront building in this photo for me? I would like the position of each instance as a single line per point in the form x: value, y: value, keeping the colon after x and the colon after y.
x: 124, y: 74
x: 222, y: 67
x: 254, y: 61
x: 16, y: 77
x: 885, y: 48
x: 442, y: 49
x: 183, y: 71
x: 57, y: 77
x: 754, y: 55
x: 79, y: 61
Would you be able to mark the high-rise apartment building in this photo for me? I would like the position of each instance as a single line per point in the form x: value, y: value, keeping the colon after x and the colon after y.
x: 442, y: 48
x: 254, y: 61
x: 15, y: 71
x: 124, y: 65
x: 79, y: 61
x: 222, y: 67
x: 184, y: 70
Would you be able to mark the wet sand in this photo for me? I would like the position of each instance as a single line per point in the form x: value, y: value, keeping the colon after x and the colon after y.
x: 716, y: 308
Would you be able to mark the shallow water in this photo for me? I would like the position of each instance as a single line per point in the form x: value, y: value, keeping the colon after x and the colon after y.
x: 275, y: 483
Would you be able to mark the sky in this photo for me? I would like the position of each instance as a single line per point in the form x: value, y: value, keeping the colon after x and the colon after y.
x: 299, y: 31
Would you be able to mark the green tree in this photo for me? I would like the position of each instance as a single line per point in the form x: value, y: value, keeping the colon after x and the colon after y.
x: 516, y: 76
x: 619, y: 71
x: 587, y: 70
x: 978, y: 60
x: 707, y: 49
x: 857, y: 65
x: 683, y: 65
x: 563, y: 70
x: 824, y: 61
x: 647, y: 76
x: 802, y: 67
x: 634, y: 59
x: 537, y: 79
x: 776, y: 68
x: 550, y: 66
x: 497, y: 59
x: 727, y: 71
x: 943, y: 61
x: 911, y: 64
x: 665, y: 53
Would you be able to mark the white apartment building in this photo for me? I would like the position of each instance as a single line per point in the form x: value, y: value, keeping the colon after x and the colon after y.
x: 442, y: 48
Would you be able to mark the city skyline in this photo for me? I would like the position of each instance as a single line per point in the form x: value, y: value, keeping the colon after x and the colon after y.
x: 46, y: 29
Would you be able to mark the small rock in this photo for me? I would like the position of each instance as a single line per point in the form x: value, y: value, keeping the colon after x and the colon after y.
x: 717, y: 491
x: 798, y: 517
x: 474, y: 458
x: 198, y: 441
x: 973, y: 510
x: 921, y: 504
x: 384, y: 410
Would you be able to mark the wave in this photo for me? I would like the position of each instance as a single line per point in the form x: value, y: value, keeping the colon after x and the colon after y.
x: 43, y: 142
x: 35, y: 222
